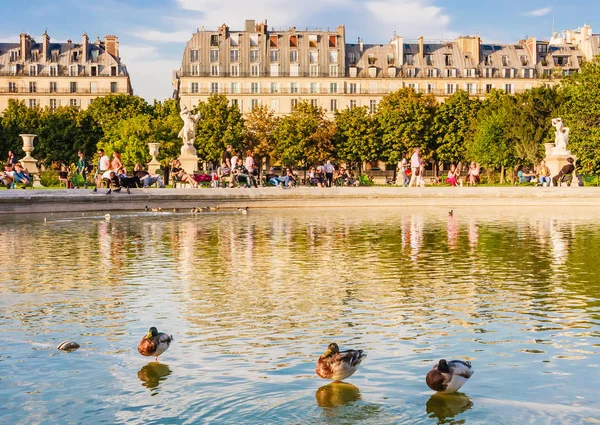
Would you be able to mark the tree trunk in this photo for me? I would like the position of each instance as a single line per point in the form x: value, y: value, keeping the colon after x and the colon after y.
x: 502, y: 181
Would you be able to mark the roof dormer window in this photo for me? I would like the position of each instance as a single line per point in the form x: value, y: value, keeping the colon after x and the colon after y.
x: 75, y: 56
x: 54, y: 56
x: 35, y: 55
x: 95, y: 56
x: 14, y: 55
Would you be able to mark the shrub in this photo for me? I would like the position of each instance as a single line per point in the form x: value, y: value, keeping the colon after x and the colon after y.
x: 49, y: 178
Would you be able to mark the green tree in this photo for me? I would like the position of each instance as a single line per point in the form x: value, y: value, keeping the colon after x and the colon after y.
x: 491, y: 147
x: 453, y: 126
x: 259, y: 136
x: 406, y: 120
x: 130, y: 137
x: 220, y: 125
x: 581, y: 113
x: 166, y: 124
x: 60, y: 135
x: 357, y: 139
x: 304, y: 136
x: 17, y: 119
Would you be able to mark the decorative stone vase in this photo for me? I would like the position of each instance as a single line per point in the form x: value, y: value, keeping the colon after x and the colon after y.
x: 29, y: 162
x: 153, y: 165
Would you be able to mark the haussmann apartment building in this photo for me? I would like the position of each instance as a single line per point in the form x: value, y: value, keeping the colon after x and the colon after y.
x: 48, y: 74
x: 279, y: 67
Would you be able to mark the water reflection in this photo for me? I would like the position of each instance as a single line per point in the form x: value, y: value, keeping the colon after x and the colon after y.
x: 250, y: 297
x: 153, y: 374
x: 444, y: 407
x: 337, y: 394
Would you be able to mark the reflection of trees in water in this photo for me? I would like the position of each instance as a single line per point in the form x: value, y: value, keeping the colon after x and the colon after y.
x: 153, y: 374
x: 308, y: 267
x: 445, y: 407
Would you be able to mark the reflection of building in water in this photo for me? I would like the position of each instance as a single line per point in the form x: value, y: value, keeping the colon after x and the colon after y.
x: 560, y: 243
x: 452, y: 230
x: 104, y: 245
x: 473, y: 233
x: 417, y: 225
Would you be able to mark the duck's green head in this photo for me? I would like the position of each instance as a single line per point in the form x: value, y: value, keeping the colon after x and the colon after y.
x: 331, y: 350
x: 152, y: 332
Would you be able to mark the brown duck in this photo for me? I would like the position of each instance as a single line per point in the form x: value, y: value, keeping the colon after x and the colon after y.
x: 154, y: 343
x: 337, y: 365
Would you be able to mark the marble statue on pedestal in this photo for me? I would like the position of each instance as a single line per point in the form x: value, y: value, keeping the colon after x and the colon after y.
x: 188, y: 158
x: 188, y: 132
x: 561, y: 139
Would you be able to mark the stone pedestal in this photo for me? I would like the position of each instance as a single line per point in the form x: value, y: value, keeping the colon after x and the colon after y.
x: 29, y: 162
x: 555, y: 160
x: 188, y: 158
x: 153, y: 165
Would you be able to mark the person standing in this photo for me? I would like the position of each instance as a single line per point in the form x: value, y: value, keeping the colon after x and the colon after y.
x: 250, y: 167
x: 226, y: 158
x: 415, y: 167
x: 403, y: 168
x: 116, y: 163
x: 103, y: 166
x: 82, y: 167
x: 329, y: 170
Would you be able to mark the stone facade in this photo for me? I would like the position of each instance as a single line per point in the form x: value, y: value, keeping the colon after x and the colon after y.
x: 279, y: 67
x: 50, y: 74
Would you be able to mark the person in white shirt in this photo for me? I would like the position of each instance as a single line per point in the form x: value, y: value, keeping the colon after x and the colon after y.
x: 329, y: 170
x: 103, y: 166
x: 415, y: 166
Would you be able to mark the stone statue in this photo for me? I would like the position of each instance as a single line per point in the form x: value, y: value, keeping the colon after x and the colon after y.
x: 562, y: 135
x: 188, y: 132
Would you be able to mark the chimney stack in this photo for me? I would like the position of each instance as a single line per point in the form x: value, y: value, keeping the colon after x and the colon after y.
x: 421, y: 48
x: 360, y: 44
x: 45, y: 45
x: 111, y: 45
x: 25, y: 42
x: 84, y: 47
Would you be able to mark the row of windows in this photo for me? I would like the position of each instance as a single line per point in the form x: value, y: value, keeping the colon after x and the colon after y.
x: 353, y: 88
x: 234, y: 56
x: 32, y: 87
x: 255, y: 70
x: 274, y: 104
x: 53, y: 103
x: 254, y: 39
x: 54, y: 70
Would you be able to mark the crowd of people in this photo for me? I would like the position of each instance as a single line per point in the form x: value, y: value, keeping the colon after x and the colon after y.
x: 238, y: 171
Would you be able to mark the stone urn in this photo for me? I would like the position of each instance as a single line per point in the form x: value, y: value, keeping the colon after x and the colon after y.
x: 153, y: 165
x: 29, y: 162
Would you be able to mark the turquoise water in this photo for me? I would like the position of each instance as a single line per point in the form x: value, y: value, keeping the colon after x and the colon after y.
x: 252, y: 302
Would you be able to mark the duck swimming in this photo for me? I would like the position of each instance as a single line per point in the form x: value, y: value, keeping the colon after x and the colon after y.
x: 154, y: 343
x: 448, y: 377
x: 338, y: 365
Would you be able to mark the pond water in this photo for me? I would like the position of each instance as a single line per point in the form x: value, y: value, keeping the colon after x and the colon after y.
x: 253, y: 300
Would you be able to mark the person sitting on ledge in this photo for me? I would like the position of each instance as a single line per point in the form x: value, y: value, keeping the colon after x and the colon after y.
x: 543, y: 174
x: 241, y: 173
x: 525, y: 176
x: 452, y: 176
x: 473, y: 175
x: 21, y: 176
x: 564, y: 171
x: 179, y: 175
x: 146, y: 178
x: 112, y: 181
x: 6, y: 176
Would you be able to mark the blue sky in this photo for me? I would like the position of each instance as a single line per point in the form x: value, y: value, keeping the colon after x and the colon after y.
x: 153, y: 33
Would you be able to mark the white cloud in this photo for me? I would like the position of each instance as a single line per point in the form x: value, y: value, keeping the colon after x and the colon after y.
x: 162, y: 37
x: 412, y: 18
x: 539, y: 12
x: 150, y: 75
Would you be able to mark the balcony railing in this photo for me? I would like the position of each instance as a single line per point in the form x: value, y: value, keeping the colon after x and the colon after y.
x: 20, y: 90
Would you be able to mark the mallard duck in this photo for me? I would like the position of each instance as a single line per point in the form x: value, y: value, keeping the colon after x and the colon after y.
x: 243, y: 210
x: 154, y: 343
x: 153, y: 209
x: 448, y: 377
x: 337, y: 365
x: 68, y: 346
x: 213, y: 209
